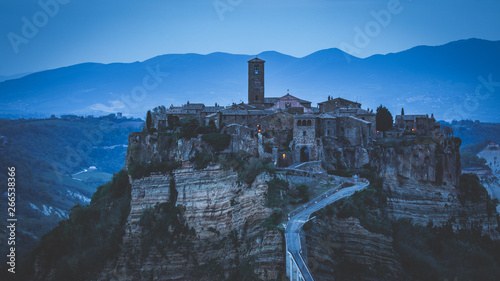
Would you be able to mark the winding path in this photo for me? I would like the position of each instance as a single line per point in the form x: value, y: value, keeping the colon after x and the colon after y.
x: 296, y: 267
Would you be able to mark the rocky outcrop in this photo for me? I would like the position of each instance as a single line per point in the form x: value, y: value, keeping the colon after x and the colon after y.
x: 227, y: 220
x: 146, y: 148
x: 424, y: 203
x: 420, y: 175
x: 434, y: 160
x: 333, y: 243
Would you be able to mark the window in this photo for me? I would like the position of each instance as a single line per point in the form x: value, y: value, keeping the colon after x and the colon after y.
x: 328, y: 132
x: 299, y: 123
x: 304, y: 133
x: 256, y: 69
x: 256, y: 97
x: 308, y: 122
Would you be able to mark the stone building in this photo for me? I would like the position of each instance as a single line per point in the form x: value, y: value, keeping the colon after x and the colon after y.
x: 276, y: 123
x: 415, y: 123
x: 306, y: 145
x: 334, y: 104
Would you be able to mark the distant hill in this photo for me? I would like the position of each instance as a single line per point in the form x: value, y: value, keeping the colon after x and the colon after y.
x: 59, y: 163
x: 422, y: 80
x: 10, y: 77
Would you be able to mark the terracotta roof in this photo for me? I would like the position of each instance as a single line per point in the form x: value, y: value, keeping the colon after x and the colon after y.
x: 338, y: 99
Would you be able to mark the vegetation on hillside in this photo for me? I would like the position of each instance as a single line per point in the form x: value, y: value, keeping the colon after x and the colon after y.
x: 476, y: 133
x: 164, y: 229
x: 368, y: 205
x: 430, y: 253
x: 426, y: 252
x: 47, y: 153
x: 470, y: 189
x: 79, y: 247
x: 248, y: 167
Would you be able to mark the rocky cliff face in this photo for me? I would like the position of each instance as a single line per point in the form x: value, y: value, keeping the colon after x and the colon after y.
x: 420, y: 176
x: 333, y: 244
x: 434, y: 160
x: 225, y: 218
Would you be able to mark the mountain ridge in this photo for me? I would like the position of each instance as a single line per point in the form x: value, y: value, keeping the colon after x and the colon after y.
x: 422, y: 77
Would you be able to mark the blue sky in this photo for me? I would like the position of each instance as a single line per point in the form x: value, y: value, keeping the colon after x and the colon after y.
x: 71, y: 31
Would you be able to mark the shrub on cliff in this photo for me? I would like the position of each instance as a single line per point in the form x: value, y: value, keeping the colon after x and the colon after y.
x: 189, y: 128
x: 274, y: 190
x: 274, y: 219
x: 252, y: 169
x: 367, y: 205
x: 163, y: 227
x: 218, y: 142
x: 471, y: 189
x: 303, y: 193
x: 201, y: 159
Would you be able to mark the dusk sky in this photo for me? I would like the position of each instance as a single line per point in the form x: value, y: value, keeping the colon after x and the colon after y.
x: 71, y: 32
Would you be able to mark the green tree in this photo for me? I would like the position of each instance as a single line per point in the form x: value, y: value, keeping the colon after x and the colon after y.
x: 148, y: 121
x: 172, y: 122
x: 383, y: 119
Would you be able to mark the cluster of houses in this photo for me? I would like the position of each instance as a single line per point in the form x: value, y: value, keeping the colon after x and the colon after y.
x: 335, y: 123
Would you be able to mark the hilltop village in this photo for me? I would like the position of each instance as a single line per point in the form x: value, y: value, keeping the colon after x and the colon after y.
x: 206, y: 191
x: 296, y: 132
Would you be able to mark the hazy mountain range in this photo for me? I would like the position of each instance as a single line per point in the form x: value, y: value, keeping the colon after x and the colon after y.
x: 440, y: 80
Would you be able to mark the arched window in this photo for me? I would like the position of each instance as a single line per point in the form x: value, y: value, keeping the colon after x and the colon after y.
x: 308, y: 122
x: 304, y: 123
x: 299, y: 123
x: 256, y: 69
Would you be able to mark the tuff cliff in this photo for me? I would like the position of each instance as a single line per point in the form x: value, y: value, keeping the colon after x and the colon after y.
x: 218, y: 229
x: 420, y: 179
x: 421, y: 176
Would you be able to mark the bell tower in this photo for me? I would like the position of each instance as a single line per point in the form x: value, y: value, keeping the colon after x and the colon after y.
x: 256, y: 81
